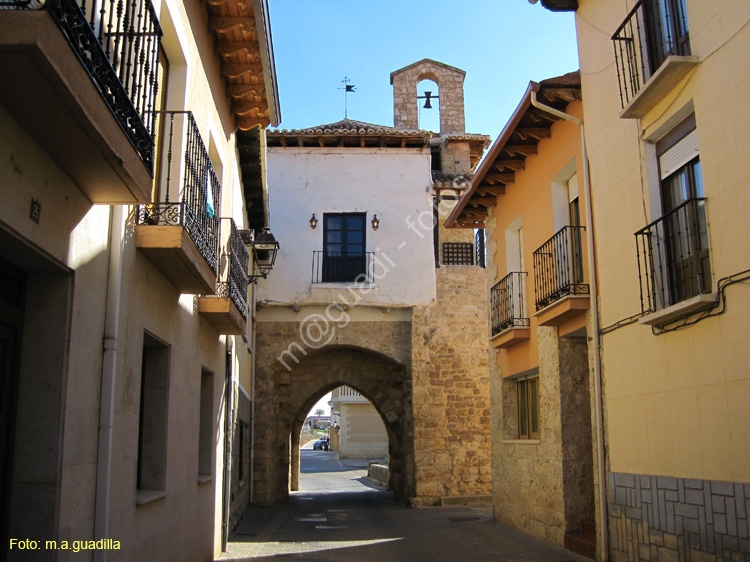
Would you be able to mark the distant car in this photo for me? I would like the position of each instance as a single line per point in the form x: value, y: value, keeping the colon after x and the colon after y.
x: 321, y: 444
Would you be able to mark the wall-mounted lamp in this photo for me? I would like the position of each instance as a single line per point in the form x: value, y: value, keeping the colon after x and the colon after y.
x: 375, y: 222
x: 265, y: 248
x: 313, y: 222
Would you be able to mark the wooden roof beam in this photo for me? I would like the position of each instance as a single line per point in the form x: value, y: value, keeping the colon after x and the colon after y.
x: 539, y: 117
x: 537, y: 133
x: 491, y: 190
x: 500, y: 178
x: 565, y: 94
x: 514, y: 165
x: 523, y: 149
x: 484, y: 201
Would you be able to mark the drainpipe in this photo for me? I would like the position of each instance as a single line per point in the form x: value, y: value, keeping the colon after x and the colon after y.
x: 227, y: 448
x: 252, y: 395
x: 598, y: 409
x: 109, y: 371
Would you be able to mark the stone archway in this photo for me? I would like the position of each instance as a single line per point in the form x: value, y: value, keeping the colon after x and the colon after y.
x: 284, y: 399
x: 393, y: 438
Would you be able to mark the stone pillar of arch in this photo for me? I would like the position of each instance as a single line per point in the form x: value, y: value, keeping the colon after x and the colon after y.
x: 449, y: 79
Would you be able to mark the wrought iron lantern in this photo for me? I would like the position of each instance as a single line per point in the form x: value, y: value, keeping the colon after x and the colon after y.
x: 265, y: 249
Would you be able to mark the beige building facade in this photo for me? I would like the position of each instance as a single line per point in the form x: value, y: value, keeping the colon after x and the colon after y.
x: 360, y: 431
x: 126, y: 323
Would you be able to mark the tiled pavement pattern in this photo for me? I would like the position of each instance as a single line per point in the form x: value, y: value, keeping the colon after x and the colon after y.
x: 661, y: 519
x: 368, y: 525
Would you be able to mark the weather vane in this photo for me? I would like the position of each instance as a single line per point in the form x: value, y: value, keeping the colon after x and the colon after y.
x: 347, y: 88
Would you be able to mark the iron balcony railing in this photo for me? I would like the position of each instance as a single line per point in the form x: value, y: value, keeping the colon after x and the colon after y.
x: 198, y: 204
x: 652, y: 31
x: 235, y: 262
x: 118, y: 42
x: 338, y: 267
x: 558, y: 267
x: 673, y: 257
x: 507, y: 303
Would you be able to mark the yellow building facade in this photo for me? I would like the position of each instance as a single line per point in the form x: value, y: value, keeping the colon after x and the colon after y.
x: 665, y: 84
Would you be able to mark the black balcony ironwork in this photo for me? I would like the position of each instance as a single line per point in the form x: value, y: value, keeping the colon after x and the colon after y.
x: 558, y: 267
x: 233, y: 280
x: 199, y: 202
x: 507, y: 303
x: 118, y: 42
x: 652, y: 31
x: 339, y: 267
x: 673, y: 257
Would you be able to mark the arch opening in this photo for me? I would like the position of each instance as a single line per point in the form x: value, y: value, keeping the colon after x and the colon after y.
x: 355, y: 424
x: 385, y: 382
x: 428, y: 103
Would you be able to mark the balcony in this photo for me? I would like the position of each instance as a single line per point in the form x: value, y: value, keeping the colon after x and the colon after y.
x: 181, y: 237
x: 508, y: 320
x: 652, y: 54
x: 337, y: 267
x: 227, y: 309
x: 561, y: 293
x: 84, y: 84
x: 674, y: 269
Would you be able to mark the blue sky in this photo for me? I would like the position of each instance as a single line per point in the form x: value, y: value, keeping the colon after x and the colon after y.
x: 501, y: 44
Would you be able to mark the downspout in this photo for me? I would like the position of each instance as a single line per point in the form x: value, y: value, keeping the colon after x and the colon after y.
x: 252, y: 396
x: 109, y: 371
x: 598, y: 409
x: 227, y: 448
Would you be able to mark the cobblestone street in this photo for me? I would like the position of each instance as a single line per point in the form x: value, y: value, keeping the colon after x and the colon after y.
x: 338, y: 515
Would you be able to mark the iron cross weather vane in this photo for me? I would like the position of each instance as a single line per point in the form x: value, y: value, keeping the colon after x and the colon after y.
x: 347, y: 89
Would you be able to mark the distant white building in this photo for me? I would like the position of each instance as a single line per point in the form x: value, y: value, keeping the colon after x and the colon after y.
x: 362, y: 433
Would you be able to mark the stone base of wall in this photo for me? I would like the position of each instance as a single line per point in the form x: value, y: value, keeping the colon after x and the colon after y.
x: 665, y: 519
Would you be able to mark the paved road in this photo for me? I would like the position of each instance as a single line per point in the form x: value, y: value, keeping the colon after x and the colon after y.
x: 338, y: 516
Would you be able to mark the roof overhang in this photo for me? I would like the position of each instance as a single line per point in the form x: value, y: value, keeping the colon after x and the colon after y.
x: 241, y: 32
x: 348, y: 134
x: 560, y: 5
x: 518, y: 140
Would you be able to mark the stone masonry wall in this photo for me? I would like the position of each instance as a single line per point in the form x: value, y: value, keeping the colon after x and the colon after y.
x: 372, y: 357
x: 451, y: 391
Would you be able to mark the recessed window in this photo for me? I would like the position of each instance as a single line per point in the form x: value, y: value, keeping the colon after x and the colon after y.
x: 344, y: 258
x: 152, y: 427
x: 527, y: 391
x: 206, y: 425
x: 458, y: 253
x: 674, y: 249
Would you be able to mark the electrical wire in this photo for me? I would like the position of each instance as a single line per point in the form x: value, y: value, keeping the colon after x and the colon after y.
x: 721, y: 300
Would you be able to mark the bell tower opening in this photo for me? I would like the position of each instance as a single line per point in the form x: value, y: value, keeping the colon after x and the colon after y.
x: 428, y: 106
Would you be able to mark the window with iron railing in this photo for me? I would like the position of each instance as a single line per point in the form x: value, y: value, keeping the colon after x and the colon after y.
x: 558, y: 267
x: 118, y: 43
x: 673, y: 257
x: 507, y: 303
x: 343, y: 258
x: 198, y: 203
x: 651, y: 32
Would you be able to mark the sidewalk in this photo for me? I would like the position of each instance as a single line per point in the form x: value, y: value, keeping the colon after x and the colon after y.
x: 366, y: 525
